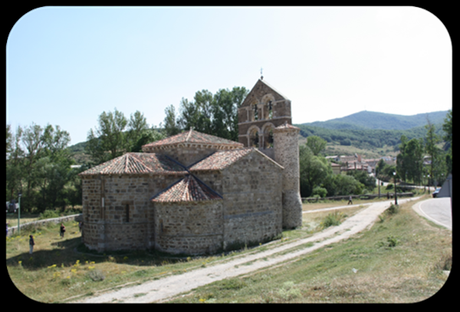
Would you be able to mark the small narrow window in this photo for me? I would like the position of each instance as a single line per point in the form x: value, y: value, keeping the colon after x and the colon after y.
x: 270, y: 110
x: 127, y: 213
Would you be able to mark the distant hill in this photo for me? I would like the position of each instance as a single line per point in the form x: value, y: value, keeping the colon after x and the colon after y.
x: 372, y: 131
x: 374, y: 120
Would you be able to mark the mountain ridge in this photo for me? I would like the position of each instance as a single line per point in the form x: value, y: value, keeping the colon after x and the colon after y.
x: 366, y: 120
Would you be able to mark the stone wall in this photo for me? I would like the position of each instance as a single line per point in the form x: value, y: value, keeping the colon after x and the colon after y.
x: 189, y: 227
x: 287, y: 154
x: 213, y: 179
x: 126, y: 219
x: 118, y: 213
x: 252, y: 200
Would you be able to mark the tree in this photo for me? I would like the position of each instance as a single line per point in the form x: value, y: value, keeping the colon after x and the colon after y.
x: 33, y: 144
x: 341, y: 184
x: 212, y: 114
x: 52, y: 170
x: 384, y: 171
x: 364, y: 178
x: 316, y: 144
x: 171, y: 126
x: 409, y: 162
x: 447, y: 127
x: 189, y: 115
x: 107, y: 137
x: 431, y: 140
x: 225, y: 112
x: 38, y: 158
x: 414, y: 160
x: 15, y: 172
x: 400, y: 158
x: 137, y: 126
x: 313, y: 170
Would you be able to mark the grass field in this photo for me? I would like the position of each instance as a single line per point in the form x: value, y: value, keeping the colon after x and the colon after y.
x: 400, y: 259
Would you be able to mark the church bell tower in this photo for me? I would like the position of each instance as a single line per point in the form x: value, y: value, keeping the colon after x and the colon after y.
x: 265, y: 122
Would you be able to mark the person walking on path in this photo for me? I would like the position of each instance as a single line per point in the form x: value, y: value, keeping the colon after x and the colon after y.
x: 31, y: 244
x: 62, y: 230
x: 350, y: 201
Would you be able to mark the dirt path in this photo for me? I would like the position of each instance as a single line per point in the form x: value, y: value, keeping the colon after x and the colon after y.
x: 162, y: 289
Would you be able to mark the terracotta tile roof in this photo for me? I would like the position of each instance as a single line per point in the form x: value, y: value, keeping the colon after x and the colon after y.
x: 220, y: 160
x: 192, y: 136
x: 131, y: 163
x: 186, y: 190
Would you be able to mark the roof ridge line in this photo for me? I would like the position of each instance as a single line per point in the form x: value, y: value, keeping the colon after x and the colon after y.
x: 176, y: 162
x: 126, y: 162
x: 189, y: 133
x: 199, y: 188
x: 199, y: 181
x: 187, y: 183
x: 141, y: 161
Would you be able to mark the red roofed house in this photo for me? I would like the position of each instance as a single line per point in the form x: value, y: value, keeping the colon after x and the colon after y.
x: 193, y: 193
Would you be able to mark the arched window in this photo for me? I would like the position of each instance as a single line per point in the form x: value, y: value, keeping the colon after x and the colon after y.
x: 268, y: 135
x: 270, y: 109
x: 254, y: 137
x: 269, y: 102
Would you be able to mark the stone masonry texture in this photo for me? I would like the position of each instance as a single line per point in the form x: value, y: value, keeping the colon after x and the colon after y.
x: 195, y: 193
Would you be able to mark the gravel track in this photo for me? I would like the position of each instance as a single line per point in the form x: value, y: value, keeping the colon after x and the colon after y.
x: 162, y: 289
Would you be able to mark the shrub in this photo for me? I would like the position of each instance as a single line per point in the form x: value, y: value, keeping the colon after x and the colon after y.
x: 322, y: 192
x: 289, y: 291
x: 393, y: 209
x: 96, y: 275
x: 331, y: 219
x: 234, y: 283
x: 48, y: 214
x: 391, y: 242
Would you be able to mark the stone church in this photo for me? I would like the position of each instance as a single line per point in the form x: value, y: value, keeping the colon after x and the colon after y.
x: 195, y: 193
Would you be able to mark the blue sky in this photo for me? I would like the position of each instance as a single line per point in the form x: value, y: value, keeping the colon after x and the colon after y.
x: 66, y: 65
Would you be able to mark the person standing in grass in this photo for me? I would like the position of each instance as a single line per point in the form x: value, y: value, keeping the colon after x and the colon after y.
x: 350, y: 201
x: 62, y: 230
x: 31, y: 244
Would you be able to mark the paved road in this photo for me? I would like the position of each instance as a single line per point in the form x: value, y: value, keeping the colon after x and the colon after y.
x: 437, y: 210
x: 164, y: 288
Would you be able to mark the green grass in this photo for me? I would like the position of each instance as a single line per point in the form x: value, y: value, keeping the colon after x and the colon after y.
x: 400, y: 259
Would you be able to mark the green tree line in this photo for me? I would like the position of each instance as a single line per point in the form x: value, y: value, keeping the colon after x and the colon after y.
x: 366, y: 138
x: 215, y: 114
x: 115, y: 135
x: 38, y: 166
x: 413, y: 153
x: 316, y: 177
